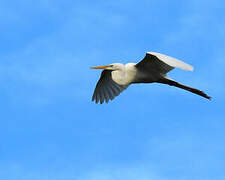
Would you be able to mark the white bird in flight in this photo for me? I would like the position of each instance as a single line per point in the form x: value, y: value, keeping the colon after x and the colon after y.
x: 116, y: 77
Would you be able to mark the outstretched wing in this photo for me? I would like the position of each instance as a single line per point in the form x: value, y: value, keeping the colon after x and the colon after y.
x: 161, y: 63
x: 106, y: 89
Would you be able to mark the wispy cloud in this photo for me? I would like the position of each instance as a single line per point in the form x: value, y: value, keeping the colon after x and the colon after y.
x: 142, y: 173
x: 62, y: 57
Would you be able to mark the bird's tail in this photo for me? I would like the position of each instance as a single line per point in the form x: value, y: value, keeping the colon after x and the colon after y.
x: 170, y: 82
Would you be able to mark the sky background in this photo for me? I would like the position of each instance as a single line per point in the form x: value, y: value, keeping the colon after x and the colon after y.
x: 50, y: 129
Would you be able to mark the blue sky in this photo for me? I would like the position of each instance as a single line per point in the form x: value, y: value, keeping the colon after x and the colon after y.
x: 50, y: 129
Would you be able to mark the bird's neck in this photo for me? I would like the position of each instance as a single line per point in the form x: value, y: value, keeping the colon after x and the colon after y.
x: 125, y: 75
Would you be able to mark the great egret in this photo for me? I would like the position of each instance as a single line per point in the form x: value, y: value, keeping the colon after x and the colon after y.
x: 152, y: 69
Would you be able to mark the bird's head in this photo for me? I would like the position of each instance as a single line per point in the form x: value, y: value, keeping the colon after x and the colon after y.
x: 112, y: 67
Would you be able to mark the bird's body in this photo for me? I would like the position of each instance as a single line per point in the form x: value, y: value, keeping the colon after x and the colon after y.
x: 153, y: 68
x: 125, y: 74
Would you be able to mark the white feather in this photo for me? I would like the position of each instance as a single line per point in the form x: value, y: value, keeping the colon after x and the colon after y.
x: 173, y: 61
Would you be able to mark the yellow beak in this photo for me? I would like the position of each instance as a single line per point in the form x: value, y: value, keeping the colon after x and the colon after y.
x: 100, y: 67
